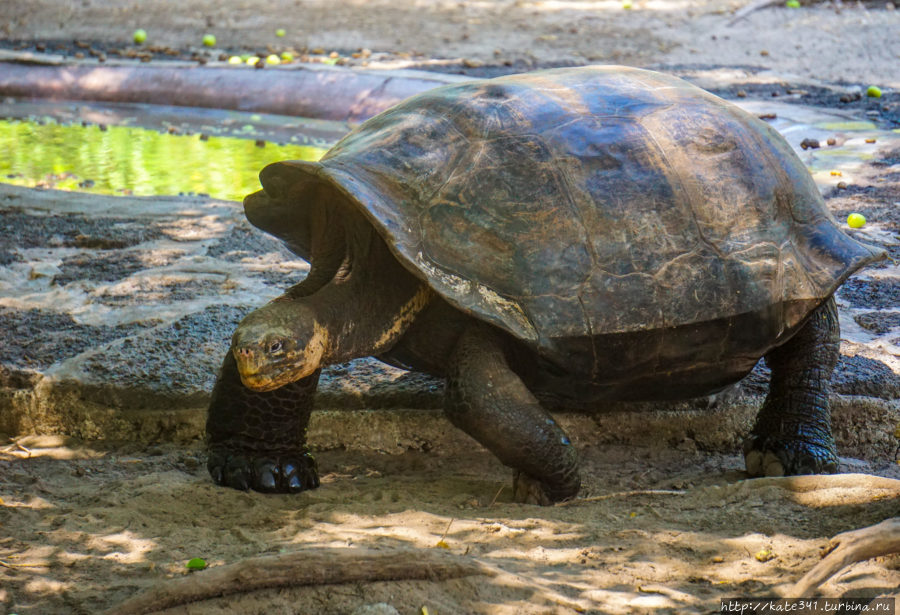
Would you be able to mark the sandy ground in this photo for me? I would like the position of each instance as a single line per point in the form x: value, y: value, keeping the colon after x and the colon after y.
x: 84, y: 526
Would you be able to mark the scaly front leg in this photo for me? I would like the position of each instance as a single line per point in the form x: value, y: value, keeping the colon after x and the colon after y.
x: 258, y: 440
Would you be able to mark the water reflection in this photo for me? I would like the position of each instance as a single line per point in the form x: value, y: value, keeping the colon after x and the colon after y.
x: 133, y: 160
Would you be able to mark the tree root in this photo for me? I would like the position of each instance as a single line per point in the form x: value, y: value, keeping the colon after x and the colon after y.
x: 848, y: 548
x: 619, y: 494
x: 325, y: 566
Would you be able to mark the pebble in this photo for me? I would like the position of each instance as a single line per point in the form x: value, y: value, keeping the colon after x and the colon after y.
x: 809, y: 143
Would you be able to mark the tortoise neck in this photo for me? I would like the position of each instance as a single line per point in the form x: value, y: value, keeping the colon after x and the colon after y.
x: 368, y: 306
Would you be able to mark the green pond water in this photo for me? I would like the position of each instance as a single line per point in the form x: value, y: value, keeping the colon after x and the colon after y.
x: 134, y: 160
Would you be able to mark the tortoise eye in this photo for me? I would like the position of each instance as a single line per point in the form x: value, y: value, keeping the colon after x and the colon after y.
x: 275, y: 346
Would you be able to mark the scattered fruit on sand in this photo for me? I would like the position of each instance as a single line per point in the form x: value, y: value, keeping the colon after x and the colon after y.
x: 273, y: 59
x: 140, y: 36
x: 279, y: 32
x: 196, y: 563
x: 873, y: 91
x: 235, y: 60
x: 209, y: 40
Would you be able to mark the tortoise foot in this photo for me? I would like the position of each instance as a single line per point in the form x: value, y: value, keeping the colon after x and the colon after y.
x: 267, y: 473
x: 771, y: 456
x: 527, y: 490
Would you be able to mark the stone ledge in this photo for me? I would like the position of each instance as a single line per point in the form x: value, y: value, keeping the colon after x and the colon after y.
x: 864, y: 427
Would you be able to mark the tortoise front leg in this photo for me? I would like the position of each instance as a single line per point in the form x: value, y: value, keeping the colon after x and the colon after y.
x: 792, y: 434
x: 488, y: 401
x: 258, y: 440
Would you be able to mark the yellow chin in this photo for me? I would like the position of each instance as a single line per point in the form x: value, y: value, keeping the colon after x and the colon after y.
x: 264, y: 382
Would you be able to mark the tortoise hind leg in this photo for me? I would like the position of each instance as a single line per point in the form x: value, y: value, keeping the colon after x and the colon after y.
x: 487, y: 400
x: 792, y: 434
x: 258, y: 440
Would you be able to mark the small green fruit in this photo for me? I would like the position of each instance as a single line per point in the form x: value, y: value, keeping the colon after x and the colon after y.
x: 792, y: 4
x: 279, y: 32
x: 196, y: 563
x: 873, y: 91
x: 140, y: 36
x: 856, y: 220
x: 273, y: 59
x: 209, y: 40
x: 235, y: 60
x: 252, y: 60
x: 287, y: 56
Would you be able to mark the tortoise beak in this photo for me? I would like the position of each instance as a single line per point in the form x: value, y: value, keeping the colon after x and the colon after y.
x: 249, y: 368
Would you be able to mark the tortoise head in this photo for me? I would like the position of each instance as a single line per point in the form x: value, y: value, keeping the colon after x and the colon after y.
x: 279, y: 343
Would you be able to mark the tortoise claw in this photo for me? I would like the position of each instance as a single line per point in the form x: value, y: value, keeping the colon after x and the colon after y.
x: 773, y: 456
x: 528, y: 490
x: 283, y: 473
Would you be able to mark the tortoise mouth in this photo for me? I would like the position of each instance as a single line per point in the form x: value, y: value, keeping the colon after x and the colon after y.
x: 269, y: 376
x: 261, y: 382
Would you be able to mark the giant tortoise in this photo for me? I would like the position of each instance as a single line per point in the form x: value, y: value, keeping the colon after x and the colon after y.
x: 563, y: 237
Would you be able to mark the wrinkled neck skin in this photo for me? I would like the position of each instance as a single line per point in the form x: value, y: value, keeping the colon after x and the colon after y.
x: 357, y: 301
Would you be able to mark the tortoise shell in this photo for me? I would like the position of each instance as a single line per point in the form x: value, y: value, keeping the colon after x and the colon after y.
x: 573, y: 203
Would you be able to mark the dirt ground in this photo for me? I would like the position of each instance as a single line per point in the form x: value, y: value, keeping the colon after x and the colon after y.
x: 853, y: 42
x: 84, y: 526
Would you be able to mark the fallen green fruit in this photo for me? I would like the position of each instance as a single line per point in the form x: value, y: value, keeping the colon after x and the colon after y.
x: 196, y: 563
x: 279, y: 32
x: 856, y: 220
x: 792, y: 4
x: 287, y: 56
x: 873, y: 91
x: 209, y: 40
x: 140, y: 36
x: 273, y: 59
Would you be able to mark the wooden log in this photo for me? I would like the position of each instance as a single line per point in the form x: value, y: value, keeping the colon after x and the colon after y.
x: 305, y: 567
x: 331, y: 93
